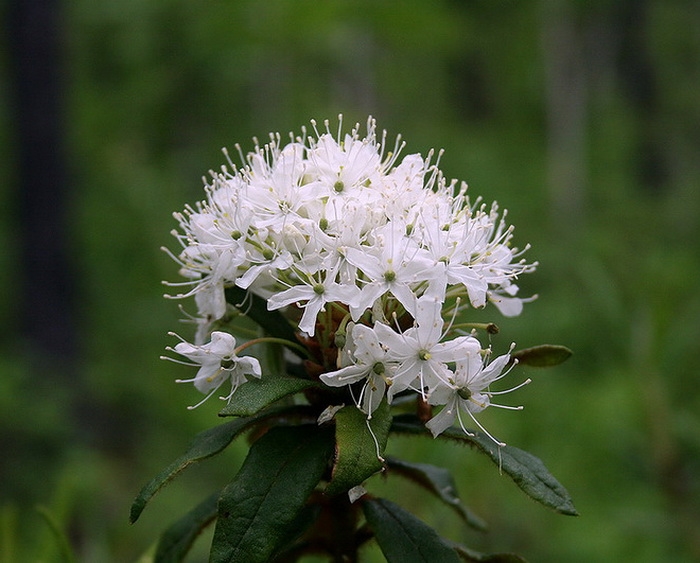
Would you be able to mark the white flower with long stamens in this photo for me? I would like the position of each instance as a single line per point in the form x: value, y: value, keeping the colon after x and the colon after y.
x: 369, y: 361
x: 421, y: 354
x: 394, y: 264
x: 468, y: 391
x: 316, y: 293
x: 347, y: 167
x: 218, y: 364
x: 451, y: 256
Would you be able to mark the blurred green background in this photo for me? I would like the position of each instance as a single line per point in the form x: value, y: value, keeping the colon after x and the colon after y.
x: 581, y: 118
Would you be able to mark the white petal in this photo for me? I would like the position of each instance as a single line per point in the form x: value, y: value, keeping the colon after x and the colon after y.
x: 344, y: 376
x: 222, y: 344
x: 289, y: 296
x: 443, y: 420
x: 508, y: 306
x: 373, y: 394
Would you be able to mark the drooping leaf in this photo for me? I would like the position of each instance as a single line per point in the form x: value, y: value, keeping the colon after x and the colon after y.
x: 402, y: 537
x: 526, y: 470
x: 466, y: 554
x: 260, y: 507
x: 272, y: 322
x: 546, y: 355
x: 204, y: 445
x: 440, y: 482
x: 356, y: 450
x: 178, y: 538
x: 257, y: 394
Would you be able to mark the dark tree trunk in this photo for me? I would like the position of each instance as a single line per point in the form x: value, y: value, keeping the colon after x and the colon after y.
x: 45, y: 309
x: 640, y: 85
x: 566, y: 109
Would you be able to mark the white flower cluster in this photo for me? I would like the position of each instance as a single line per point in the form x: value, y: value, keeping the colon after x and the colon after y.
x: 330, y: 225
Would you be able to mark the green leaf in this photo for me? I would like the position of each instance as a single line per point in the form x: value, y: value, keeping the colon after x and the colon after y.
x: 528, y: 471
x: 64, y: 547
x: 290, y: 548
x: 546, y: 355
x: 205, y: 444
x: 262, y: 504
x: 402, y: 537
x: 255, y: 308
x: 356, y: 451
x: 177, y: 540
x: 466, y: 554
x: 438, y: 481
x: 256, y: 394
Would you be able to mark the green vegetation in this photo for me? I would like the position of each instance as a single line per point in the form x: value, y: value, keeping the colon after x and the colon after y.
x: 582, y: 119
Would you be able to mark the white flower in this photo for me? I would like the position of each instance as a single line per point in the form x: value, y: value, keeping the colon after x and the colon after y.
x: 452, y: 255
x: 422, y: 358
x: 369, y: 362
x: 316, y: 293
x: 347, y: 166
x: 468, y: 390
x: 392, y: 265
x: 218, y: 364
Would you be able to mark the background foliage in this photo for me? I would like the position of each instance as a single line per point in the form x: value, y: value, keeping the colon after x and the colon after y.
x: 581, y: 118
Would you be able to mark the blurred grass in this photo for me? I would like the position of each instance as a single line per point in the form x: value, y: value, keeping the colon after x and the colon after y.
x: 156, y: 88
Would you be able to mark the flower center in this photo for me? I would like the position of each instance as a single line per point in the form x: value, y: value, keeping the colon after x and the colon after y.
x: 389, y: 276
x: 378, y: 368
x: 465, y: 394
x: 339, y: 186
x: 424, y: 355
x: 319, y: 289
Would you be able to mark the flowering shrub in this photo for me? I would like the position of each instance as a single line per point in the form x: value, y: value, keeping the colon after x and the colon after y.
x: 358, y: 268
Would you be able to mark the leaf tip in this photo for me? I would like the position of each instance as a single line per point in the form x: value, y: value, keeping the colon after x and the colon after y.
x: 136, y: 510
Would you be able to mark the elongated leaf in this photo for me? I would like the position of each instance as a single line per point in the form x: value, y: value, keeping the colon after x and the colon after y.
x: 356, y: 450
x: 438, y: 481
x: 528, y: 471
x: 59, y: 535
x: 205, y: 444
x: 257, y: 394
x: 255, y: 308
x: 546, y: 355
x: 177, y: 540
x: 402, y: 537
x: 466, y: 554
x: 260, y: 507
